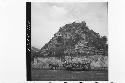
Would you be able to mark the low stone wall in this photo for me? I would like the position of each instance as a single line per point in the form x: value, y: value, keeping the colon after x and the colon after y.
x: 43, y: 63
x: 96, y: 62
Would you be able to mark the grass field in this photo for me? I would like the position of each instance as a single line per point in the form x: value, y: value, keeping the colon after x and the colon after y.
x: 63, y: 75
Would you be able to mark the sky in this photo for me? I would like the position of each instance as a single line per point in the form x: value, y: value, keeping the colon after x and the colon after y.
x: 47, y: 17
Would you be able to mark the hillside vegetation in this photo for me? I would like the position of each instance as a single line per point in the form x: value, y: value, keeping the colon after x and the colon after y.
x: 73, y: 43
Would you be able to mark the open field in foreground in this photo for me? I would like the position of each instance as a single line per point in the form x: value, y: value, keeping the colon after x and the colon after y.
x: 63, y: 75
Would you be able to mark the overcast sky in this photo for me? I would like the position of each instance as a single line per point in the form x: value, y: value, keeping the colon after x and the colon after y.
x: 46, y: 18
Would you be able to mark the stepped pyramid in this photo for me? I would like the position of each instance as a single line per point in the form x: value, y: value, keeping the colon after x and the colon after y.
x: 75, y: 39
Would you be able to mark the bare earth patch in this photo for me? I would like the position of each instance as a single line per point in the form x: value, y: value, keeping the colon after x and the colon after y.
x: 63, y: 75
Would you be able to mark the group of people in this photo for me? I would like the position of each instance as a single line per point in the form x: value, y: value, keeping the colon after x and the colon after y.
x: 71, y: 66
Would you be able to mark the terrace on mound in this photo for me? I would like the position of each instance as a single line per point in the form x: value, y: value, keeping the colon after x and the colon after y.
x: 75, y: 39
